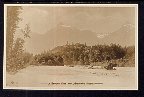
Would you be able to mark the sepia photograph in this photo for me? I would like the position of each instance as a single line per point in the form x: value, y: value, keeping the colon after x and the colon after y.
x: 70, y: 47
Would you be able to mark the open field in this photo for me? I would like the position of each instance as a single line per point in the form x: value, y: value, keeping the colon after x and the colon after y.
x: 78, y: 77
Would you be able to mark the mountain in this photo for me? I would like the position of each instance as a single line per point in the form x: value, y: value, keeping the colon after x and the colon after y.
x: 61, y: 33
x: 124, y: 36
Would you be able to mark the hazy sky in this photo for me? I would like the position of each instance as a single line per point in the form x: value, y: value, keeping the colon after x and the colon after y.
x: 43, y: 19
x: 100, y: 20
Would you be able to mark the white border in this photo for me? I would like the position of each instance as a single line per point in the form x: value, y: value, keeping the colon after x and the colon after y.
x: 4, y: 56
x: 72, y: 5
x: 136, y: 45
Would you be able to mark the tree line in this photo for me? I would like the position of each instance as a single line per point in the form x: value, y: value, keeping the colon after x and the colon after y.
x: 82, y: 54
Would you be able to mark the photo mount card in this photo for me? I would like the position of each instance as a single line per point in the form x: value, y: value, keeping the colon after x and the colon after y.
x: 70, y: 46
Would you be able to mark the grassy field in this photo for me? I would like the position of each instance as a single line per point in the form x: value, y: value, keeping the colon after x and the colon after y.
x: 78, y: 77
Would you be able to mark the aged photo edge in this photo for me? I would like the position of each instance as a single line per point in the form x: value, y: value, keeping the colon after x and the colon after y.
x: 58, y: 88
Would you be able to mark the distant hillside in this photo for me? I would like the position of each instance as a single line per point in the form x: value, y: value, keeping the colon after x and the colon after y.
x: 60, y: 34
x: 63, y: 33
x: 125, y: 36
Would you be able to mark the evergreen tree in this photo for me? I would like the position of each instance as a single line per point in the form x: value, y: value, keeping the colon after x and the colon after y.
x: 12, y: 24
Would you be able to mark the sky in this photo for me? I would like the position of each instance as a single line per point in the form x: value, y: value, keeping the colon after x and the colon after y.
x: 99, y: 20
